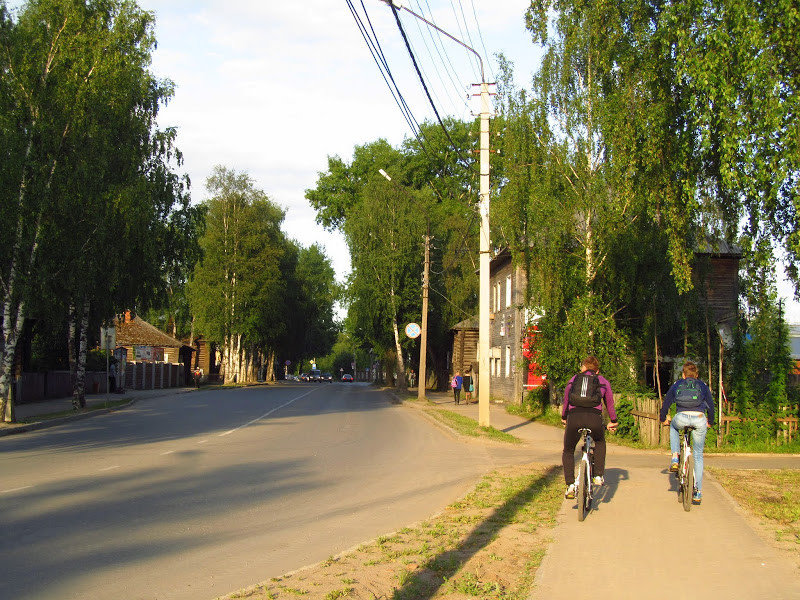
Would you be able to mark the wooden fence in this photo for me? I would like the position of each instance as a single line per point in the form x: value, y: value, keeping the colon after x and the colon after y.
x: 787, y: 429
x: 645, y: 414
x: 646, y: 411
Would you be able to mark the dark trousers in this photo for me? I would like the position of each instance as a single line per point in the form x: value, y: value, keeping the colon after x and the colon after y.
x: 578, y: 419
x: 457, y: 394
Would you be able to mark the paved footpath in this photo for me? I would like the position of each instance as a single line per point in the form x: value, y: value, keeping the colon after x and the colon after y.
x: 639, y: 543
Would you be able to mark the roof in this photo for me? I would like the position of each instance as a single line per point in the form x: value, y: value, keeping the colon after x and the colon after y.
x: 471, y: 323
x: 718, y: 249
x: 138, y: 332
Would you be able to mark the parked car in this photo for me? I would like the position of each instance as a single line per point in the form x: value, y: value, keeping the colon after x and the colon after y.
x: 347, y: 377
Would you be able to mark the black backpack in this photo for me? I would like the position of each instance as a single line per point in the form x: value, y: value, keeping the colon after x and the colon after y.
x: 687, y: 394
x: 585, y: 391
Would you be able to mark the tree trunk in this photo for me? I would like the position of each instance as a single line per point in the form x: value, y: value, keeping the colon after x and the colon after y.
x: 79, y: 386
x: 12, y: 329
x: 401, y: 378
x: 72, y: 345
x: 270, y: 366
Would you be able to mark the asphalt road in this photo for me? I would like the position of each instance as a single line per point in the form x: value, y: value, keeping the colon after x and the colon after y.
x: 196, y: 495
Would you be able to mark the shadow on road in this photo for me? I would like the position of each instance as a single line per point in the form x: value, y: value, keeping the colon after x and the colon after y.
x: 425, y: 583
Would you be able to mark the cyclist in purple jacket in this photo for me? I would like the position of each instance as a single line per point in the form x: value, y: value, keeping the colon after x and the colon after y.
x: 583, y: 407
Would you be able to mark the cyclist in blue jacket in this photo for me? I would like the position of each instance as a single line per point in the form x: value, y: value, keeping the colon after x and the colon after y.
x: 693, y: 400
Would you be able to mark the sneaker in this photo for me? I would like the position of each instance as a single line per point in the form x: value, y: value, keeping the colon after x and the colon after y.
x: 598, y: 480
x: 570, y: 493
x: 697, y: 498
x: 673, y: 466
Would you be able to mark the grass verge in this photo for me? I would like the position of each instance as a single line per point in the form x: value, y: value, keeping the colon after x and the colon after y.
x: 489, y: 544
x: 469, y: 427
x: 68, y: 413
x: 772, y: 496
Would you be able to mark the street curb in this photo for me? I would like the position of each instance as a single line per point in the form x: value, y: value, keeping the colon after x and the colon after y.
x: 44, y: 424
x: 466, y: 439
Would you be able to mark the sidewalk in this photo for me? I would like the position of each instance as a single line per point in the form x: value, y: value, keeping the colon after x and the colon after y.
x: 39, y: 415
x: 638, y: 542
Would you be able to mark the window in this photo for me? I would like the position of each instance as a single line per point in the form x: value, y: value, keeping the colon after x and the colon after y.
x: 508, y: 361
x: 508, y: 291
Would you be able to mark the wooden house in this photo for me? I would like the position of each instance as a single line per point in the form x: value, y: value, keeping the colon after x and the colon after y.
x: 508, y: 327
x: 153, y: 359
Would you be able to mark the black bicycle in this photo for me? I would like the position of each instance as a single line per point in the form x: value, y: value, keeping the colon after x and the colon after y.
x: 583, y: 484
x: 685, y: 474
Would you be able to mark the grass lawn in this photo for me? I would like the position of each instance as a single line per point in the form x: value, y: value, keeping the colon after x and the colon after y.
x: 488, y: 545
x: 772, y: 496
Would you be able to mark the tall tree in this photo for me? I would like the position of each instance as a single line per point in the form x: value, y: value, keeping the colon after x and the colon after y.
x: 237, y: 290
x: 87, y: 183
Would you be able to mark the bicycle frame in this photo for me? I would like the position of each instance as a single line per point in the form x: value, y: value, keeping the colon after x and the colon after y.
x: 583, y: 482
x: 686, y: 481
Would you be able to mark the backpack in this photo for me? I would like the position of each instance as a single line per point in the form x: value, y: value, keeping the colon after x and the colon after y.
x: 454, y: 383
x: 687, y: 394
x: 585, y: 391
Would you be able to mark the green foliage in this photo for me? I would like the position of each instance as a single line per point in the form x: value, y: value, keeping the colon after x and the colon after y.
x: 626, y: 423
x: 237, y: 288
x: 384, y: 224
x: 584, y: 329
x: 91, y: 211
x: 761, y: 357
x: 96, y: 360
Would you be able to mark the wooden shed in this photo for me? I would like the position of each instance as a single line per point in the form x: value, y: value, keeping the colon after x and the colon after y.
x: 718, y: 276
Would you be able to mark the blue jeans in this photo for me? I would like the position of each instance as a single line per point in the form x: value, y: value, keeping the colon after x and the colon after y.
x: 700, y: 424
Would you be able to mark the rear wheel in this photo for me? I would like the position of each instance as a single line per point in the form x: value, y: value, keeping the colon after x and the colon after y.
x: 688, y: 485
x: 583, y: 491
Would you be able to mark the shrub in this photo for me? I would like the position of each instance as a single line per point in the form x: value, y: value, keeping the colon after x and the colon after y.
x: 627, y: 424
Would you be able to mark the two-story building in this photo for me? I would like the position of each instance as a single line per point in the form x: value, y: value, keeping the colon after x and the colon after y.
x: 507, y: 365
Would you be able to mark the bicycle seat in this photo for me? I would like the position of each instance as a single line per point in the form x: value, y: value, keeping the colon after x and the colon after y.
x: 688, y: 428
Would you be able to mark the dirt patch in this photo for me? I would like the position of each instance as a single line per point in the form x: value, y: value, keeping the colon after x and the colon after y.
x: 488, y: 544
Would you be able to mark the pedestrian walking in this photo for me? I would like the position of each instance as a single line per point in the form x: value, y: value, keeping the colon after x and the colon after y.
x: 456, y: 384
x: 468, y: 385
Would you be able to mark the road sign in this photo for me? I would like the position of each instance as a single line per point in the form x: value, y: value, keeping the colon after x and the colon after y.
x: 413, y: 330
x: 288, y: 362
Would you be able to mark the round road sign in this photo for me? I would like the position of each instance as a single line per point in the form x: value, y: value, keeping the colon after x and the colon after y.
x: 412, y: 330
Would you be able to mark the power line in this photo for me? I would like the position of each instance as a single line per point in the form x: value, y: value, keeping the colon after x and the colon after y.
x: 383, y: 66
x: 422, y: 80
x: 483, y: 44
x: 436, y: 38
x: 463, y: 32
x: 423, y: 37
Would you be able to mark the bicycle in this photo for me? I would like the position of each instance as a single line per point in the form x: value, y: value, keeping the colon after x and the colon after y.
x: 685, y: 474
x: 583, y: 483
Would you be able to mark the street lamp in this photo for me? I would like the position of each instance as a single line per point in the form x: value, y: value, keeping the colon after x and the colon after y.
x: 485, y: 245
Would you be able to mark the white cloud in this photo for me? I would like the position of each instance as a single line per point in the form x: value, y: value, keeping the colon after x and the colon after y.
x: 273, y: 88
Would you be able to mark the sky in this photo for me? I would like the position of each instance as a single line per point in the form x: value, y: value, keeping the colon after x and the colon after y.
x: 274, y: 87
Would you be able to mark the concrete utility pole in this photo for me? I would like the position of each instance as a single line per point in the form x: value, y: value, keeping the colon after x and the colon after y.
x: 484, y: 334
x: 423, y: 345
x: 484, y: 380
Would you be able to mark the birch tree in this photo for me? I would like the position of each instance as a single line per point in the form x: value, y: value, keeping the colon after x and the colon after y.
x: 88, y: 183
x: 237, y: 288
